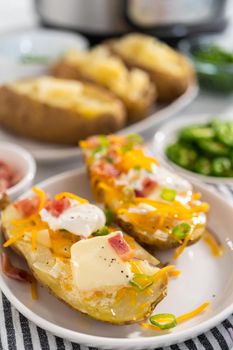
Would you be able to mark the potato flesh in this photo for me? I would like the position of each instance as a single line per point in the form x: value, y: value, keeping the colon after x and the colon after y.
x: 114, y: 306
x: 82, y: 98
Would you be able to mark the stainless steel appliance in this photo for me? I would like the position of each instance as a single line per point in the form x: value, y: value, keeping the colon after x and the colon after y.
x: 164, y: 18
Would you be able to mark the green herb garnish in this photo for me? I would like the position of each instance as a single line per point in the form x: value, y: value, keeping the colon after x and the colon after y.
x: 180, y: 231
x: 168, y: 194
x: 141, y: 281
x: 33, y: 59
x: 103, y: 231
x: 109, y: 216
x: 163, y: 321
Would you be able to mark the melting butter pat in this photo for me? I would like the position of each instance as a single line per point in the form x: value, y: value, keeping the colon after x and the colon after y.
x: 96, y: 265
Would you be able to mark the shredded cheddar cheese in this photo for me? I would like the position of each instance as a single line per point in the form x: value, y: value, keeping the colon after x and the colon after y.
x: 164, y: 271
x: 71, y: 196
x: 193, y: 313
x: 33, y: 239
x: 41, y: 196
x: 174, y: 273
x: 13, y: 239
x: 34, y: 289
x: 181, y: 248
x: 215, y: 248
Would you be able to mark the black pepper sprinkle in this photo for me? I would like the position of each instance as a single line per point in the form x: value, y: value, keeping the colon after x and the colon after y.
x: 127, y: 276
x: 122, y: 271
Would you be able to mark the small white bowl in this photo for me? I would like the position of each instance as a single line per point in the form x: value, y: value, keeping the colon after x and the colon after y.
x: 43, y: 43
x: 22, y: 162
x: 168, y: 134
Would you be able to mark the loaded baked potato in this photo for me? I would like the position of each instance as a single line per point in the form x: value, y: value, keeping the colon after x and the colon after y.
x: 155, y: 206
x: 95, y: 269
x: 170, y: 71
x: 132, y: 86
x: 59, y: 111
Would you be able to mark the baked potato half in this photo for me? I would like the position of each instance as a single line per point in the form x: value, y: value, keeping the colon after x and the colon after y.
x: 152, y: 204
x: 59, y: 111
x: 170, y: 71
x: 132, y: 86
x: 93, y: 268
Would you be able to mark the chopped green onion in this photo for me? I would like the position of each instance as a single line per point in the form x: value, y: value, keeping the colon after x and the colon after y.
x: 135, y: 138
x: 163, y: 321
x: 103, y: 231
x: 180, y: 231
x: 168, y: 194
x: 102, y: 148
x: 137, y: 167
x: 109, y: 216
x: 141, y: 281
x: 132, y: 139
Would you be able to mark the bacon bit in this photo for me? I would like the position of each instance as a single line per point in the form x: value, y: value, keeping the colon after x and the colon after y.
x: 148, y: 186
x: 14, y: 272
x: 216, y: 249
x: 106, y: 169
x: 121, y: 246
x: 8, y: 176
x: 56, y: 207
x: 28, y: 206
x: 93, y: 141
x: 180, y: 250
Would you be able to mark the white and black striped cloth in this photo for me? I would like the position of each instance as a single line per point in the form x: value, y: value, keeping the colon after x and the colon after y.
x: 17, y: 333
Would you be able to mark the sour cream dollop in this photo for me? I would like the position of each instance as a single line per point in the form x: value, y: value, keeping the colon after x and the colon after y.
x: 81, y: 219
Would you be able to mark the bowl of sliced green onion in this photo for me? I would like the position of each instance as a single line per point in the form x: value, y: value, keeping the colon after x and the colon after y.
x: 199, y: 147
x: 213, y: 61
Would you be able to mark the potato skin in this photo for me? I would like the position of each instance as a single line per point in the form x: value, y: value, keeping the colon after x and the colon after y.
x: 169, y: 86
x: 33, y: 119
x: 145, y: 238
x: 115, y: 312
x: 136, y: 110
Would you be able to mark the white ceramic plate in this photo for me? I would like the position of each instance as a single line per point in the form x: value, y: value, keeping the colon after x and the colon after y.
x: 167, y: 134
x: 45, y: 152
x: 203, y: 278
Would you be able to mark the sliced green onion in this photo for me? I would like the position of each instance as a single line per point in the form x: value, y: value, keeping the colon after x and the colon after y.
x: 141, y: 281
x: 132, y: 139
x: 102, y: 148
x: 109, y: 216
x: 163, y: 321
x: 180, y: 231
x: 103, y: 231
x: 168, y: 194
x: 135, y: 138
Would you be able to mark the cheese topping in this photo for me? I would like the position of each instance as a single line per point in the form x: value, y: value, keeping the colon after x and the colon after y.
x: 96, y: 265
x: 80, y: 219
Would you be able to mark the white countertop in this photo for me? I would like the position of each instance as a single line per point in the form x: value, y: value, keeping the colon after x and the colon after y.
x: 16, y: 14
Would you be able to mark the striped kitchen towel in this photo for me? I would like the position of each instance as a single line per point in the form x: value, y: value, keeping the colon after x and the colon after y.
x: 18, y: 333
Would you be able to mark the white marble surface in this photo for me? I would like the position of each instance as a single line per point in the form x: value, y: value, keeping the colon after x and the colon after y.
x: 15, y: 14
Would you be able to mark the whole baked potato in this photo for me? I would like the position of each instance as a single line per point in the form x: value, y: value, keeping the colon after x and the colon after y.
x: 170, y: 71
x: 59, y: 111
x: 99, y: 66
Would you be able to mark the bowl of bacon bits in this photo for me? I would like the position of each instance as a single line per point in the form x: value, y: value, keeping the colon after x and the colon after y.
x: 17, y: 169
